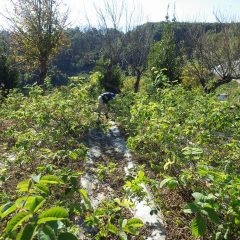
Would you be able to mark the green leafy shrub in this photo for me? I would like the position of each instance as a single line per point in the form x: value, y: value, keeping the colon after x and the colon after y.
x: 189, y: 78
x: 112, y: 76
x: 46, y: 132
x: 160, y: 79
x: 191, y: 141
x: 8, y: 75
x: 47, y: 127
x: 26, y: 218
x: 165, y: 55
x: 108, y: 219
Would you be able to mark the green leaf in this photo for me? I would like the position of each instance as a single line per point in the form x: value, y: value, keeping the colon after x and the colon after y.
x: 20, y: 202
x: 130, y: 230
x: 170, y: 182
x: 113, y: 229
x: 24, y: 185
x: 67, y: 236
x: 50, y: 179
x: 17, y: 220
x: 123, y: 223
x: 237, y: 220
x: 135, y: 222
x: 165, y: 181
x: 6, y: 209
x: 49, y: 219
x: 192, y: 151
x: 56, y: 225
x: 84, y: 195
x: 47, y: 233
x: 123, y: 235
x: 5, y: 206
x: 57, y: 212
x: 27, y: 232
x: 191, y: 208
x: 141, y: 175
x: 42, y: 188
x: 212, y: 214
x: 167, y: 164
x: 100, y: 212
x: 124, y: 203
x: 53, y: 214
x: 198, y: 226
x: 73, y: 155
x: 198, y: 196
x: 34, y: 203
x: 30, y: 203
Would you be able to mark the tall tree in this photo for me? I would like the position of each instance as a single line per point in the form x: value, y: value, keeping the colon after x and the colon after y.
x: 138, y: 43
x: 8, y: 74
x: 124, y: 44
x: 111, y: 18
x: 38, y: 30
x: 164, y: 54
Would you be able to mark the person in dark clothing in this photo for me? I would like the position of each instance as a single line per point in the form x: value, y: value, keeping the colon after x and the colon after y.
x: 103, y: 100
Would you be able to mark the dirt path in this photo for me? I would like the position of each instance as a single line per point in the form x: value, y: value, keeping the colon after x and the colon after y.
x: 109, y: 149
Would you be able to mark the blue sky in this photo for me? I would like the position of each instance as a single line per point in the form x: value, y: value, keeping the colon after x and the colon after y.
x: 153, y: 10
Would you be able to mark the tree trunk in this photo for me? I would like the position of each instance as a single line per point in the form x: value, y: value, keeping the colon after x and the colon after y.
x: 217, y: 84
x: 220, y: 82
x: 43, y: 72
x: 136, y: 84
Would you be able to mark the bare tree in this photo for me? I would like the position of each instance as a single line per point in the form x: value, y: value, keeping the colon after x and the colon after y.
x: 37, y: 31
x: 216, y: 59
x: 111, y: 18
x: 125, y: 44
x: 137, y: 48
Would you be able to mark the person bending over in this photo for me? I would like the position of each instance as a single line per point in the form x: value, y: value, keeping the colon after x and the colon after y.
x: 103, y: 100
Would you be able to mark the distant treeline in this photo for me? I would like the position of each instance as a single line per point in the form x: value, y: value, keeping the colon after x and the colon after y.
x: 85, y: 47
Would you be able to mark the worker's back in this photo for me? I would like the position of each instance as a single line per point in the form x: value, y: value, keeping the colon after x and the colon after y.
x: 107, y: 96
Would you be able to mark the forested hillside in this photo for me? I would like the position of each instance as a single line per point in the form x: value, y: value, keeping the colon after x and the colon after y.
x: 155, y: 157
x: 82, y: 51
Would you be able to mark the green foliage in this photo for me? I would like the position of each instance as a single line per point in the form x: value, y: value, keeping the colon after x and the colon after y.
x: 191, y: 141
x: 164, y: 55
x: 108, y: 217
x: 27, y: 217
x: 122, y: 106
x: 160, y: 79
x: 170, y: 182
x: 103, y: 171
x: 47, y: 127
x: 134, y: 185
x: 112, y: 75
x: 8, y: 75
x: 189, y: 78
x: 31, y: 217
x: 203, y: 207
x: 45, y: 133
x: 232, y: 89
x: 82, y: 51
